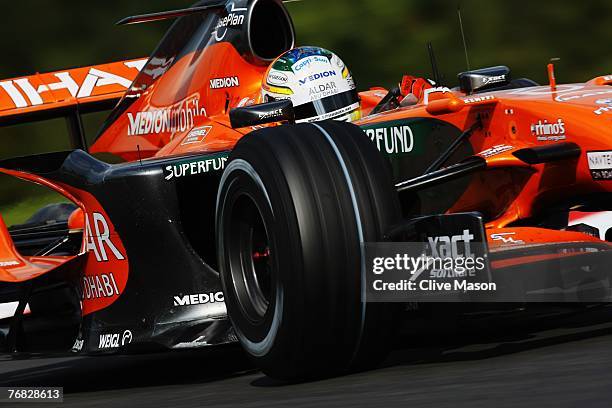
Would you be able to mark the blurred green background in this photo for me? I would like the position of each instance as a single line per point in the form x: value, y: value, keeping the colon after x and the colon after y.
x: 379, y: 40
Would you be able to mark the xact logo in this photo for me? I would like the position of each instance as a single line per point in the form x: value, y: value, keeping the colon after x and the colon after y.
x: 449, y: 246
x: 493, y: 79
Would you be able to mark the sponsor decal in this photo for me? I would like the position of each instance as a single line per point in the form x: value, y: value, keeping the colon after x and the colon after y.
x: 106, y: 267
x: 195, y: 166
x: 277, y: 78
x: 221, y: 83
x: 600, y: 164
x: 157, y: 67
x: 196, y: 135
x: 448, y: 246
x: 306, y: 62
x: 99, y: 286
x: 545, y: 90
x: 546, y: 132
x: 245, y: 101
x: 604, y: 109
x: 100, y: 242
x: 507, y: 238
x: 392, y: 139
x: 429, y: 91
x: 495, y: 150
x: 493, y: 79
x: 115, y: 340
x: 448, y: 250
x: 581, y: 95
x: 78, y: 345
x: 271, y: 114
x: 318, y: 75
x: 336, y: 115
x: 234, y: 19
x: 322, y: 91
x: 198, y: 299
x: 478, y: 99
x: 5, y: 264
x: 20, y: 89
x: 177, y: 118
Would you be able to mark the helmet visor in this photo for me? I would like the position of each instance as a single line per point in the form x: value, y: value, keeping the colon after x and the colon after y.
x: 320, y: 108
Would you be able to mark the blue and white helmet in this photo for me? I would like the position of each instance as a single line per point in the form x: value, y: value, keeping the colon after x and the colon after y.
x: 318, y: 83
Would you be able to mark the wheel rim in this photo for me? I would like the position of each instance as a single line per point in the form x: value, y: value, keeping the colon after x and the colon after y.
x: 250, y: 258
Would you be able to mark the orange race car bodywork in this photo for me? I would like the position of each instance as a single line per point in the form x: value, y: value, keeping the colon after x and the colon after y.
x: 537, y: 150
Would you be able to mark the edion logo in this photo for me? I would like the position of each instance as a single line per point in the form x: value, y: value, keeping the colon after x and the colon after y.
x: 318, y: 75
x: 220, y: 83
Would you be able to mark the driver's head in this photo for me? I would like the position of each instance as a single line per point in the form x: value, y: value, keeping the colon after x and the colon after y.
x: 317, y: 82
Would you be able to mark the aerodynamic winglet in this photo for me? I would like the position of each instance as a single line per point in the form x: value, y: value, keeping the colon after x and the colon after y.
x: 166, y: 15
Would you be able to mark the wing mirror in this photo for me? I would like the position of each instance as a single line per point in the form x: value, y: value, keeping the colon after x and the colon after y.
x: 269, y: 112
x: 440, y: 101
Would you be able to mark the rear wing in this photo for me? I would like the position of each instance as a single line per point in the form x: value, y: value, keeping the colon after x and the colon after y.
x: 66, y: 93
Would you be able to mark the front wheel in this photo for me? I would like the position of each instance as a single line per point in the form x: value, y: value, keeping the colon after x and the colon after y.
x: 295, y: 205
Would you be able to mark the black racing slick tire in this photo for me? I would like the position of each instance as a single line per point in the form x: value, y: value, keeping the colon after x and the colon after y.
x: 295, y: 205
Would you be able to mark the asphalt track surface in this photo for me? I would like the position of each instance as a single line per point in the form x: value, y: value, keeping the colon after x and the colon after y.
x: 546, y: 362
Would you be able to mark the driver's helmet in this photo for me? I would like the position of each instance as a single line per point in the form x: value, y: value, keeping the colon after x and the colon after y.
x: 316, y: 81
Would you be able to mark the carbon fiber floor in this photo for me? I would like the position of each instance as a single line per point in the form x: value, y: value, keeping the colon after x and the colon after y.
x: 551, y: 362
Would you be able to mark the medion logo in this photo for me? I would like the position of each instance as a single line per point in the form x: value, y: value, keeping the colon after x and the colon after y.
x: 178, y: 118
x: 220, y: 83
x: 198, y: 299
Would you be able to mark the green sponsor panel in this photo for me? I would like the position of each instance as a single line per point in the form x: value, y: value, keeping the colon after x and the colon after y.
x: 412, y: 144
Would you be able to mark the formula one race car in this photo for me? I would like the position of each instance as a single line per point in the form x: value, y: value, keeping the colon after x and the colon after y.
x: 221, y: 208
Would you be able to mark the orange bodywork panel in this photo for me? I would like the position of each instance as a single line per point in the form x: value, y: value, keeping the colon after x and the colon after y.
x: 26, y: 96
x: 17, y: 268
